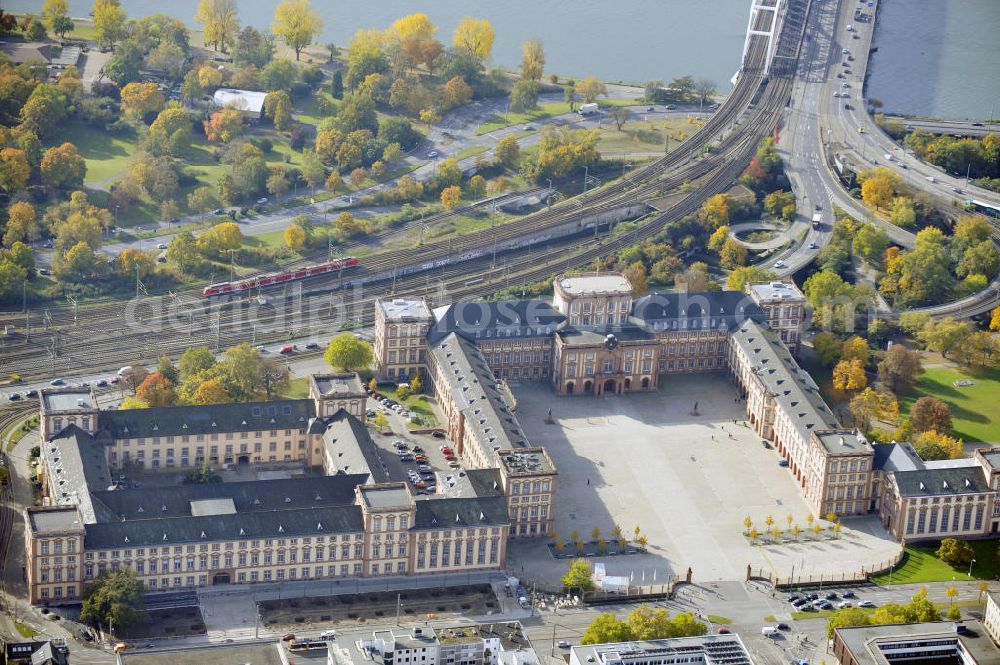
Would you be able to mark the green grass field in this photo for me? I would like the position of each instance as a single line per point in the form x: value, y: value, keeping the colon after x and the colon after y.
x: 643, y: 135
x: 107, y: 156
x: 543, y: 111
x: 920, y: 565
x: 297, y: 388
x: 972, y: 407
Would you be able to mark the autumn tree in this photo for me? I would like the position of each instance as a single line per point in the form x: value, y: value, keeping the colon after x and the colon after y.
x: 930, y: 413
x: 878, y: 186
x: 14, y: 169
x: 278, y: 107
x: 411, y: 27
x: 220, y: 22
x: 474, y: 38
x: 132, y: 261
x: 732, y: 254
x: 224, y: 126
x: 62, y: 166
x: 21, y: 223
x: 221, y: 237
x: 456, y: 92
x: 932, y: 445
x: 855, y: 348
x: 141, y: 99
x: 532, y: 60
x: 899, y: 368
x: 508, y: 152
x: 297, y: 23
x: 743, y: 275
x: 211, y: 391
x: 635, y: 273
x: 451, y: 197
x: 156, y: 390
x: 56, y: 16
x: 849, y: 375
x: 591, y: 88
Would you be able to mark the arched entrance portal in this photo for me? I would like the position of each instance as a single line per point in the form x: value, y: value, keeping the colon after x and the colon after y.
x: 628, y: 384
x: 243, y: 459
x: 220, y: 578
x: 645, y: 383
x: 569, y: 388
x: 588, y: 387
x: 609, y: 386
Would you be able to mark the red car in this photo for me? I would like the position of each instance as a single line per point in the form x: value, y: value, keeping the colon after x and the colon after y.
x: 288, y: 637
x: 724, y: 631
x: 449, y: 458
x: 420, y: 485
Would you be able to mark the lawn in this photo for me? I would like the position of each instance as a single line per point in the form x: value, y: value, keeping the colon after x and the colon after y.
x: 972, y: 407
x: 920, y: 565
x: 25, y: 630
x: 107, y: 155
x: 297, y: 388
x: 415, y: 404
x: 543, y: 111
x: 643, y: 135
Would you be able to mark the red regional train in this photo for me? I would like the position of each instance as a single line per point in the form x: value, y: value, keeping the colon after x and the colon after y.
x: 246, y: 285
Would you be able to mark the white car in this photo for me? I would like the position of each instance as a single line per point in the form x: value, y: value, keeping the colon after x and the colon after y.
x: 432, y: 154
x: 779, y: 264
x: 866, y: 603
x: 161, y: 246
x: 327, y: 635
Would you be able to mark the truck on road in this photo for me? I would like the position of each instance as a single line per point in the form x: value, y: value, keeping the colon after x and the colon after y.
x: 588, y: 109
x: 817, y: 220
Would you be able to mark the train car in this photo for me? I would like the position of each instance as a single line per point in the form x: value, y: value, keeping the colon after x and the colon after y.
x: 272, y: 279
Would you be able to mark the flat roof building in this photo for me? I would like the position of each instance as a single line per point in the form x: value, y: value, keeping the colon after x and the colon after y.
x: 934, y: 643
x: 703, y: 650
x: 248, y: 102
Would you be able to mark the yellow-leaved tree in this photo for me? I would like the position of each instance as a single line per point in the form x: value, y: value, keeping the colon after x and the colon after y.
x: 474, y: 37
x: 297, y: 23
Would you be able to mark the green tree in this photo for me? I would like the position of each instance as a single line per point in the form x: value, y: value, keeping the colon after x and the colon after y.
x: 944, y: 335
x: 194, y: 361
x: 743, y: 275
x: 870, y: 243
x: 278, y: 107
x: 348, y: 353
x: 203, y: 199
x: 508, y: 152
x: 847, y: 618
x: 109, y: 20
x: 579, y: 576
x: 524, y: 96
x: 604, y: 629
x: 203, y: 475
x: 114, y: 598
x: 56, y: 15
x: 827, y: 347
x: 297, y: 23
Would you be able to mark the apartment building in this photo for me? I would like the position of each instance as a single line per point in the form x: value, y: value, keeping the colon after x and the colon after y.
x: 400, y: 330
x: 456, y: 642
x: 991, y: 618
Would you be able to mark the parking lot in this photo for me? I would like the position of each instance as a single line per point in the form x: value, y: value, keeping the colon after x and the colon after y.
x: 424, y: 459
x: 687, y: 481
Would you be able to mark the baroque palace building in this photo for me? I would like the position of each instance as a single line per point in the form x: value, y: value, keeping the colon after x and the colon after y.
x: 359, y: 518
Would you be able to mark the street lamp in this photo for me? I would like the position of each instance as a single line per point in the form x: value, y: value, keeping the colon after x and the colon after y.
x: 970, y: 567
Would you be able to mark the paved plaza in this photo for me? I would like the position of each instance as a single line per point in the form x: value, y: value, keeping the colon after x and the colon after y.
x: 688, y: 481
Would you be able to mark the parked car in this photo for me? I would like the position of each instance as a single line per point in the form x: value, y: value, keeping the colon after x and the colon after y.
x: 437, y: 434
x: 782, y: 626
x: 866, y: 603
x: 418, y: 449
x: 31, y: 393
x: 328, y: 634
x: 848, y: 594
x: 57, y: 382
x: 312, y: 345
x: 782, y: 462
x: 563, y: 644
x: 101, y: 383
x: 288, y: 637
x: 13, y: 397
x: 724, y: 631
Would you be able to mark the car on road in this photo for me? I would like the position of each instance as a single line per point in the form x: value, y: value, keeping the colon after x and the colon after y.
x: 782, y: 626
x: 563, y: 644
x: 529, y: 127
x: 328, y: 634
x: 312, y: 345
x: 813, y: 245
x: 262, y: 200
x: 669, y: 107
x: 779, y: 264
x: 650, y: 108
x: 957, y: 190
x: 836, y: 94
x: 101, y: 383
x: 162, y: 245
x: 86, y: 635
x: 31, y: 393
x: 219, y: 211
x: 13, y: 397
x: 724, y: 631
x: 931, y: 178
x: 288, y: 637
x: 432, y: 154
x: 56, y: 382
x: 43, y: 271
x: 782, y: 462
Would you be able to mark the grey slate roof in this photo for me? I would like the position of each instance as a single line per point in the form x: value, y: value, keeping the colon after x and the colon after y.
x: 941, y: 482
x: 485, y: 482
x: 461, y: 513
x: 474, y: 391
x: 192, y: 420
x: 76, y: 462
x: 158, y: 503
x: 669, y: 310
x: 246, y: 526
x: 793, y: 390
x: 500, y: 319
x: 351, y: 448
x: 891, y: 457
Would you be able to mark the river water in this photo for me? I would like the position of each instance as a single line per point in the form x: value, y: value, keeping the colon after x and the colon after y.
x: 634, y: 41
x: 937, y: 58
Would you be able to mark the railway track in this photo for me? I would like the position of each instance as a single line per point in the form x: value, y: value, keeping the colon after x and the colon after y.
x: 89, y: 345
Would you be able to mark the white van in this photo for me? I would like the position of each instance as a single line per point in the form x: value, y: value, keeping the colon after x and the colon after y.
x: 124, y: 370
x: 850, y: 28
x: 768, y: 631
